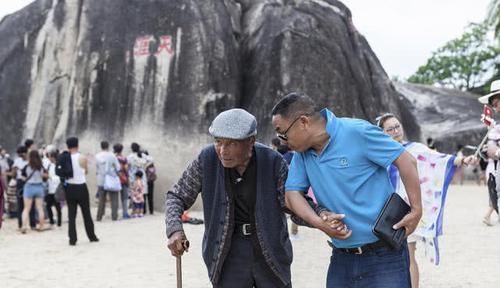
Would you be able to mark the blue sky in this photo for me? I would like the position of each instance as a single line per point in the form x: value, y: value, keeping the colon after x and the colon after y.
x: 403, y: 33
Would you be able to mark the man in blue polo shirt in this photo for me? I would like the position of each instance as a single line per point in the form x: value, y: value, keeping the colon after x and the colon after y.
x: 344, y: 161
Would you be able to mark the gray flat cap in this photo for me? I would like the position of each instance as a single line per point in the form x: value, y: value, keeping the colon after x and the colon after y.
x: 235, y: 124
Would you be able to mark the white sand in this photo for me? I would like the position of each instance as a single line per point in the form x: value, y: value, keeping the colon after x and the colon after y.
x: 133, y: 253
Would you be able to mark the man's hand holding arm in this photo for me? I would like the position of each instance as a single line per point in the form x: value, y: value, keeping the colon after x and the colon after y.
x: 319, y: 211
x: 407, y: 166
x: 329, y: 223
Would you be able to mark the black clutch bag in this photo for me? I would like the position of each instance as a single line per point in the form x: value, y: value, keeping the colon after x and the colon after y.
x: 395, y: 208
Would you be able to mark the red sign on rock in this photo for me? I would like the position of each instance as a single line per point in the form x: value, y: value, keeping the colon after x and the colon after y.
x: 143, y: 44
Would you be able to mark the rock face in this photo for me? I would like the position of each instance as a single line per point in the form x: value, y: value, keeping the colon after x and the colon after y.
x: 450, y: 117
x: 312, y: 46
x: 107, y: 67
x: 158, y: 71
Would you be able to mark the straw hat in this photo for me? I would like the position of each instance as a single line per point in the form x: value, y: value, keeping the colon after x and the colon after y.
x: 494, y: 90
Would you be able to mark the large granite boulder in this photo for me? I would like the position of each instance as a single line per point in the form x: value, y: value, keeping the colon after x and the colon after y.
x: 112, y: 68
x: 158, y: 71
x: 128, y: 69
x: 450, y: 117
x: 312, y: 46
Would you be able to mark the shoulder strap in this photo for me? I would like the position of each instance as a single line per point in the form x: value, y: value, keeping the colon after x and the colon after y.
x: 32, y: 172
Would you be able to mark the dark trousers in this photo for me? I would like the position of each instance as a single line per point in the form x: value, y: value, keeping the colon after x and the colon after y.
x: 245, y: 266
x: 113, y: 195
x: 78, y: 195
x: 20, y: 207
x: 149, y: 197
x: 50, y: 200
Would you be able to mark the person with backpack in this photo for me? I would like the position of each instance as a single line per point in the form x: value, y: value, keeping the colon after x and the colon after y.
x: 123, y: 175
x: 33, y: 175
x: 72, y: 167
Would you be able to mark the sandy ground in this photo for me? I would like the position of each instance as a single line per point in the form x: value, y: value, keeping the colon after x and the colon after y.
x: 133, y: 253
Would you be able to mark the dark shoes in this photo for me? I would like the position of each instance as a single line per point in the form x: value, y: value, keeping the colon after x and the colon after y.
x: 94, y: 239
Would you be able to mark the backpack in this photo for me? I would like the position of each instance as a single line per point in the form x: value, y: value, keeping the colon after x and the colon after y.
x: 151, y: 173
x: 123, y: 173
x: 64, y: 167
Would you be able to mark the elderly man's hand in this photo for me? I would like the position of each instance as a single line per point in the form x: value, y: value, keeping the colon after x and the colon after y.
x: 333, y: 226
x: 176, y: 243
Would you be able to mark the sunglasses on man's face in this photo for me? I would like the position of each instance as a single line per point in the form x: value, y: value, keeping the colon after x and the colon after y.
x: 283, y: 135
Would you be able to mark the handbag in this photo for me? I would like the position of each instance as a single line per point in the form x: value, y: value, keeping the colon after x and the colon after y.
x: 20, y: 186
x: 111, y: 180
x: 112, y: 183
x: 394, y: 210
x: 59, y: 194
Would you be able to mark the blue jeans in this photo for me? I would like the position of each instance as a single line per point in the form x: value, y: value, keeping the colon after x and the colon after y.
x: 124, y: 199
x: 33, y: 190
x: 381, y: 268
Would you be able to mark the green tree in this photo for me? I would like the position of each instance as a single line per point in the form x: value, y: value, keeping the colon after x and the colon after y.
x: 463, y: 63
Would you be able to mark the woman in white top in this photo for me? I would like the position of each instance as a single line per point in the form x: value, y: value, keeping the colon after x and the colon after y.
x: 33, y: 189
x: 137, y: 161
x: 53, y: 183
x: 434, y: 197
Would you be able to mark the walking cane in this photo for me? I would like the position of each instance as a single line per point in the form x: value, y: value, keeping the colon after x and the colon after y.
x: 185, y: 244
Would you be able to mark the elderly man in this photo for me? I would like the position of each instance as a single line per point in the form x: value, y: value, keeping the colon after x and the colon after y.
x: 245, y: 243
x: 345, y: 161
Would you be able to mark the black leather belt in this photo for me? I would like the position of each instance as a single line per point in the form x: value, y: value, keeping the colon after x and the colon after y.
x: 362, y: 249
x: 246, y: 229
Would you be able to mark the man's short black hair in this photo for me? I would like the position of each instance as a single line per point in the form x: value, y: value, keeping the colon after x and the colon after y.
x: 118, y: 148
x: 104, y: 145
x: 28, y: 143
x: 295, y: 104
x: 21, y: 149
x: 72, y: 142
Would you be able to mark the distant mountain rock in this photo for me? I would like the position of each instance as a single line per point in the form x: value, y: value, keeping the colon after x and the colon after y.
x: 450, y: 117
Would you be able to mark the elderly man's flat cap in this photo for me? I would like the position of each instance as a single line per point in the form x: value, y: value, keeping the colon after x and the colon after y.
x: 235, y: 124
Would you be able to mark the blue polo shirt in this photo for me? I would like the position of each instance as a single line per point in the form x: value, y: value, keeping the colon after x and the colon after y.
x: 350, y: 175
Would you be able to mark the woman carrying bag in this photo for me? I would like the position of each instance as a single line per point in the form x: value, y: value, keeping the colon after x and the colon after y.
x: 33, y: 190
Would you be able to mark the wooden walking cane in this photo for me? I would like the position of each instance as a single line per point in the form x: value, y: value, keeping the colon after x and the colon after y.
x: 185, y: 244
